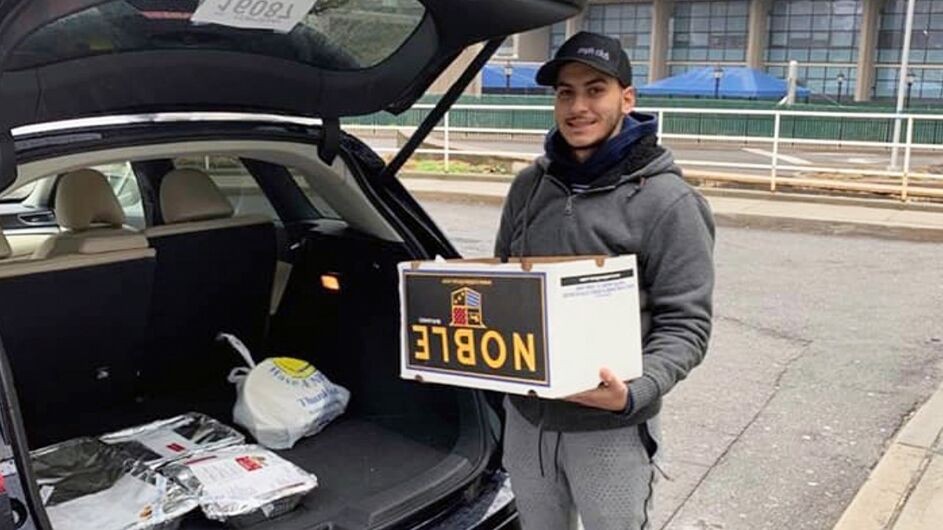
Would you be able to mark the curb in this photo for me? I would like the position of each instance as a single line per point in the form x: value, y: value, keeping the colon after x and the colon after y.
x: 469, y: 177
x: 888, y: 204
x: 454, y: 196
x: 899, y: 232
x: 894, y: 483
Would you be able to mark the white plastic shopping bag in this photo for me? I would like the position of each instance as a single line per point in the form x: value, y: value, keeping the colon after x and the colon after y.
x: 283, y: 399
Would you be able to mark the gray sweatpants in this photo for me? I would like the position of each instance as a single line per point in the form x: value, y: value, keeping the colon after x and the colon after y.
x: 604, y: 477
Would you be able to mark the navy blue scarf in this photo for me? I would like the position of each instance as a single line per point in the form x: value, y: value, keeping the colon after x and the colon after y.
x: 564, y: 166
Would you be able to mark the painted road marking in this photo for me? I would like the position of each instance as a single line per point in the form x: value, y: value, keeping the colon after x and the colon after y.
x: 785, y: 158
x: 867, y: 161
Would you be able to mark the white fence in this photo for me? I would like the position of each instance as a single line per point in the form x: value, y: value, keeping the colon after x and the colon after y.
x: 895, y: 179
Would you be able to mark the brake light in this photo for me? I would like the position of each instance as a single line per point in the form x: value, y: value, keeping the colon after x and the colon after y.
x: 330, y: 282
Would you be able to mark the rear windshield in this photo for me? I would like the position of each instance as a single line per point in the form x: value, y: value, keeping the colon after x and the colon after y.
x: 335, y: 34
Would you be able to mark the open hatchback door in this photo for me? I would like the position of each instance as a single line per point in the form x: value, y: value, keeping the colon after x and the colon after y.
x: 65, y: 59
x: 136, y: 90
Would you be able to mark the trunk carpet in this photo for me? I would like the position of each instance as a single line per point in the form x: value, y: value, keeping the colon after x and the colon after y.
x: 355, y: 459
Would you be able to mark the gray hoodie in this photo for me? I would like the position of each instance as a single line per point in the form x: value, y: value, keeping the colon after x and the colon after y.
x: 652, y: 213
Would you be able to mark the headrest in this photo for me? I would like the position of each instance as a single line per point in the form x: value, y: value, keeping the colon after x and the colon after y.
x: 5, y: 250
x: 84, y: 199
x: 190, y: 195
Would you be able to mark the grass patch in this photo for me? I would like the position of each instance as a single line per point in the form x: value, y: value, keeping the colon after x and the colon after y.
x: 437, y: 165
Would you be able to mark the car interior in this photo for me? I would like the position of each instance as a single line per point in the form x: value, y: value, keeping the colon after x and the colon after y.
x: 111, y: 311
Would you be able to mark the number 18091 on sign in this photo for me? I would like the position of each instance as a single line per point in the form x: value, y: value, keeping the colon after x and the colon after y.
x: 278, y: 15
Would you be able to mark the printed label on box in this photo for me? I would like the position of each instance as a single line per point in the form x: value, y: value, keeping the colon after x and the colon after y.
x: 597, y: 285
x: 243, y: 477
x: 491, y: 326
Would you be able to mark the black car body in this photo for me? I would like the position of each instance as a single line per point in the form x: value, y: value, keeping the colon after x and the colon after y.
x: 135, y: 89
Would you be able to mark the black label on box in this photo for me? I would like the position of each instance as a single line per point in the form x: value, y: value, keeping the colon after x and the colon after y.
x: 491, y: 326
x: 597, y: 277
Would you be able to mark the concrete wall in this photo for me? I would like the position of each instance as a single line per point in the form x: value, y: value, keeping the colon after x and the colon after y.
x: 574, y: 25
x: 867, y: 48
x: 758, y: 33
x: 442, y: 84
x: 534, y: 46
x: 658, y: 57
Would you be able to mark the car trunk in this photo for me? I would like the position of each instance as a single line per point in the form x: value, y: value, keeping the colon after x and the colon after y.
x: 400, y: 447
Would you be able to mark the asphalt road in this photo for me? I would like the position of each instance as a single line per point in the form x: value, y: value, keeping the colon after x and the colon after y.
x: 822, y: 345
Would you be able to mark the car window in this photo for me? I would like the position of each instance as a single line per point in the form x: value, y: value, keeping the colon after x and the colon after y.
x: 20, y: 193
x: 323, y: 208
x: 122, y: 181
x: 125, y: 185
x: 335, y: 34
x: 234, y: 180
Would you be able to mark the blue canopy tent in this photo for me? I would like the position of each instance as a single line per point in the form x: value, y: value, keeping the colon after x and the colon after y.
x: 737, y: 82
x: 522, y: 77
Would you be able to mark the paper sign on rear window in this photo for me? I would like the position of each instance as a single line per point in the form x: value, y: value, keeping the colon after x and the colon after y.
x: 278, y: 15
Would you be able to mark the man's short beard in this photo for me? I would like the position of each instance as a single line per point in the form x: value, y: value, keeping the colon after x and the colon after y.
x: 598, y: 143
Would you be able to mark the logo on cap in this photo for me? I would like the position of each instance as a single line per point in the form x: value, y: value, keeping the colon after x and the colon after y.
x: 602, y: 54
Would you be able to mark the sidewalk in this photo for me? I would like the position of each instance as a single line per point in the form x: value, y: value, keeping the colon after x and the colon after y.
x: 753, y: 209
x: 905, y: 488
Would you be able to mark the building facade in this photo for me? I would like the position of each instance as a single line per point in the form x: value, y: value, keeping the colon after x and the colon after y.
x: 851, y: 45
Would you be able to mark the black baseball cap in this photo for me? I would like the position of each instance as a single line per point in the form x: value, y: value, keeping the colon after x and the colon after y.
x: 592, y: 49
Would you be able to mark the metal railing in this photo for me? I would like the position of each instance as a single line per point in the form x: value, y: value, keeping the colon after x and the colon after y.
x: 768, y: 127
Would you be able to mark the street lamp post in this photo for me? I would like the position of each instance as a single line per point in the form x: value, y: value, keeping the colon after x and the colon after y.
x: 841, y: 79
x: 508, y: 70
x: 718, y: 74
x: 910, y: 84
x: 904, y: 67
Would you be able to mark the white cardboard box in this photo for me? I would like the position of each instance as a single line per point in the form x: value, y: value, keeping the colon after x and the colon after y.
x: 541, y: 326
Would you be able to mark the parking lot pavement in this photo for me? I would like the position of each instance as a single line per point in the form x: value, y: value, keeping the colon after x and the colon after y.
x: 905, y: 489
x: 824, y: 344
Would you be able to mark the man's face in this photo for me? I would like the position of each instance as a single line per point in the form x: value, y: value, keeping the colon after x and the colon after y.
x: 588, y: 107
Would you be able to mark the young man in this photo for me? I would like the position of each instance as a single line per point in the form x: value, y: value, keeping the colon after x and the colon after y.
x: 605, y: 186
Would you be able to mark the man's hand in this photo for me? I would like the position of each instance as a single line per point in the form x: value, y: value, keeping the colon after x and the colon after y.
x: 612, y: 394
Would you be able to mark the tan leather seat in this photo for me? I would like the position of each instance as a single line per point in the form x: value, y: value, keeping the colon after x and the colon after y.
x: 73, y: 321
x: 191, y: 202
x: 91, y: 218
